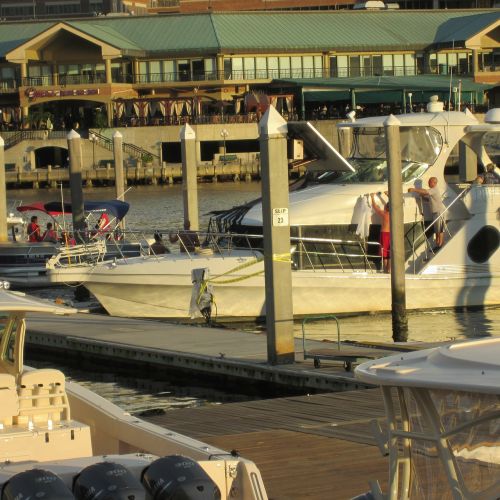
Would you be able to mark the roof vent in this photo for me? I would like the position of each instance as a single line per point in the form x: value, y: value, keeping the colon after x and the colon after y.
x: 435, y: 105
x: 492, y: 116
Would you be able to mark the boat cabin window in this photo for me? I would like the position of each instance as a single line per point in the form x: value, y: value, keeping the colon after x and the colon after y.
x: 420, y: 147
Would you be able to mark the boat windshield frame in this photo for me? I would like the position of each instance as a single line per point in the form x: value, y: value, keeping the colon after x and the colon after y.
x: 420, y: 148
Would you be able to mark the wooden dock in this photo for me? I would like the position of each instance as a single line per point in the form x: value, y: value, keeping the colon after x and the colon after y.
x: 307, y: 447
x: 162, y: 349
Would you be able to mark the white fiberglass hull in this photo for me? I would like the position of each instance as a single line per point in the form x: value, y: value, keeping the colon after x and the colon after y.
x: 163, y: 289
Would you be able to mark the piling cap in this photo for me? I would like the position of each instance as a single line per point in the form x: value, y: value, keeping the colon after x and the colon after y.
x: 392, y: 121
x: 73, y: 135
x: 187, y: 133
x: 2, y: 142
x: 117, y: 135
x: 272, y: 123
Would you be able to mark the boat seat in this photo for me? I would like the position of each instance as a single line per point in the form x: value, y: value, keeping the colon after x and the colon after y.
x: 42, y: 397
x: 9, y: 402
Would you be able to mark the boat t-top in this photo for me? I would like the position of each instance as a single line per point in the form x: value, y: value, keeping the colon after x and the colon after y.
x: 443, y: 421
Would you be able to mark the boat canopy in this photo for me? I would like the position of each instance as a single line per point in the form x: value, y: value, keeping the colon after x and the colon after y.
x: 118, y: 209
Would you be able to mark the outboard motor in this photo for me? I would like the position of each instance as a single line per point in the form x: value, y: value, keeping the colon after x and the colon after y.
x: 36, y: 484
x: 178, y: 478
x: 107, y: 481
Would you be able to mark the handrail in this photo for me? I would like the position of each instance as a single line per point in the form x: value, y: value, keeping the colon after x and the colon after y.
x: 130, y: 149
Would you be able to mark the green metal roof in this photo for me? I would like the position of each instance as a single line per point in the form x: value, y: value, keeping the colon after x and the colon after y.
x: 244, y: 32
x: 438, y: 83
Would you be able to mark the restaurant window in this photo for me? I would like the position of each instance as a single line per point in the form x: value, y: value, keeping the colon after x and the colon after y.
x: 261, y: 67
x: 63, y: 7
x: 354, y: 68
x: 249, y: 68
x: 342, y: 65
x: 453, y: 62
x: 432, y: 63
x: 409, y: 64
x: 420, y: 64
x: 399, y: 64
x: 210, y: 68
x: 318, y: 66
x: 154, y: 72
x: 442, y: 64
x: 284, y: 67
x: 237, y: 68
x: 296, y: 66
x: 388, y: 65
x: 308, y: 66
x: 366, y: 65
x: 116, y: 71
x: 377, y: 66
x: 463, y: 68
x: 198, y: 69
x: 142, y: 77
x: 272, y: 66
x: 227, y: 69
x: 183, y: 70
x: 333, y: 66
x: 18, y: 10
x: 168, y: 71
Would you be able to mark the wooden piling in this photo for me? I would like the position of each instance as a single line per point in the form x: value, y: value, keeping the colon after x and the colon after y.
x: 3, y: 195
x: 189, y: 176
x: 75, y: 183
x: 278, y: 277
x: 393, y: 146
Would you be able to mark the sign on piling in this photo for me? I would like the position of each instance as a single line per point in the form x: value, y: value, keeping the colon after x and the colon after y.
x: 277, y: 263
x: 398, y: 291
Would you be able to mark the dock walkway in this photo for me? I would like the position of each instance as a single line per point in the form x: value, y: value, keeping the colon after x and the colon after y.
x: 159, y: 348
x: 308, y: 447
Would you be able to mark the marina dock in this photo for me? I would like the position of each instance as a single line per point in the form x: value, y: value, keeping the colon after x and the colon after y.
x: 224, y: 355
x: 306, y: 447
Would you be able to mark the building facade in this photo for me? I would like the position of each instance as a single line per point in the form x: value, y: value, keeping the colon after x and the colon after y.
x: 213, y: 67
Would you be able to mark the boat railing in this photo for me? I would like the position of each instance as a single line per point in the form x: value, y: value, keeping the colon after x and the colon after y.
x: 306, y: 253
x: 86, y: 253
x: 422, y: 237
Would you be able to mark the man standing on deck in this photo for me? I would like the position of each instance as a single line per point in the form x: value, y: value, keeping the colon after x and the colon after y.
x: 385, y: 233
x: 433, y: 195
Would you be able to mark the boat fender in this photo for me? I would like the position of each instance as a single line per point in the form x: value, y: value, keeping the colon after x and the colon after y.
x: 178, y: 477
x: 36, y: 483
x: 107, y: 481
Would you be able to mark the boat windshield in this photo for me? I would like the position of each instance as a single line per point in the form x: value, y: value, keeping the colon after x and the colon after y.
x: 420, y: 147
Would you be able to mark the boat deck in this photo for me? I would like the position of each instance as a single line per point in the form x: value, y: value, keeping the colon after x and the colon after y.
x: 306, y: 447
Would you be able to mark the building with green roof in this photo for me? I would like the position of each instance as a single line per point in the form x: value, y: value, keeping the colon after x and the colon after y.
x: 166, y: 69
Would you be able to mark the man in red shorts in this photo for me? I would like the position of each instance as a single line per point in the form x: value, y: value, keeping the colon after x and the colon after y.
x: 385, y: 233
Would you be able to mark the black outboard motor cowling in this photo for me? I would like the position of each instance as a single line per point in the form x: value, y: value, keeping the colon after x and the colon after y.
x: 179, y: 478
x: 107, y: 481
x: 36, y: 484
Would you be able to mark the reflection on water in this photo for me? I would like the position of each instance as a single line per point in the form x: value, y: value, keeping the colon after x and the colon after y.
x: 141, y: 396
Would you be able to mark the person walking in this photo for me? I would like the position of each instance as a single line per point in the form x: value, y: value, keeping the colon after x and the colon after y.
x: 433, y: 196
x: 385, y: 232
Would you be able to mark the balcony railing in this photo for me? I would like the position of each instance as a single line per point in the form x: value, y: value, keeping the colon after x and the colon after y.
x: 10, y: 85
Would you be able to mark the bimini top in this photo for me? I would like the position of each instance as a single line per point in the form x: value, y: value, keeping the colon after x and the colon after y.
x: 116, y: 208
x: 17, y: 302
x: 472, y: 366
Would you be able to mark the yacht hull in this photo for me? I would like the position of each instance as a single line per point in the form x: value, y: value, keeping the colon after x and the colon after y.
x: 164, y: 290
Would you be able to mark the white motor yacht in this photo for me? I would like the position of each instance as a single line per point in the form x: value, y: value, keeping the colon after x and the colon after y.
x: 334, y: 249
x: 443, y: 421
x: 61, y: 441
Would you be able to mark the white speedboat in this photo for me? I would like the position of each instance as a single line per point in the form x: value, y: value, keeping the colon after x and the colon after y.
x: 335, y: 270
x: 443, y: 421
x: 61, y: 441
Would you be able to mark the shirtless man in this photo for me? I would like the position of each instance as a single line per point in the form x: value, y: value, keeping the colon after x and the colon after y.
x: 385, y: 233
